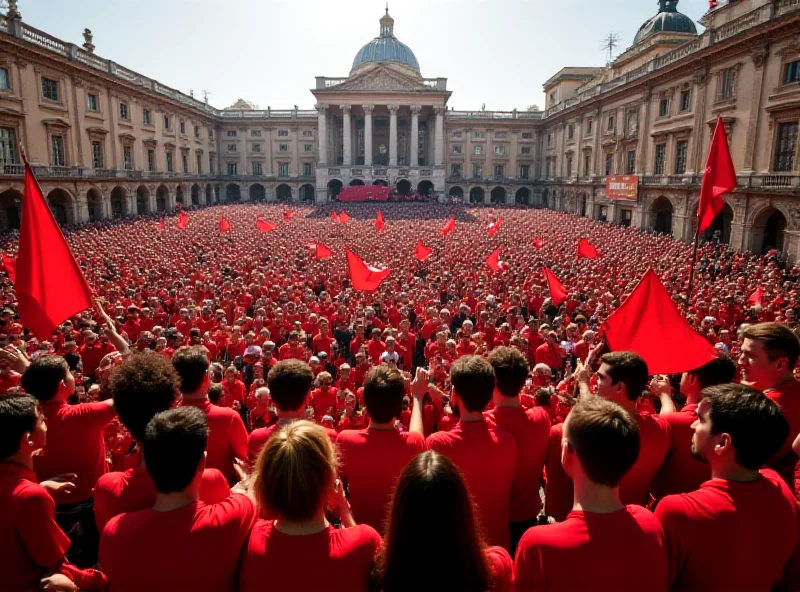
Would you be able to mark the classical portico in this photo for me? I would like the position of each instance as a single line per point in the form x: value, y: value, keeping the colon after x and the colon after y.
x: 383, y: 124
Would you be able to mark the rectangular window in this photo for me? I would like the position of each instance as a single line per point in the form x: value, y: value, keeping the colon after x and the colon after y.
x: 197, y: 131
x: 609, y: 163
x: 283, y: 133
x: 478, y: 148
x: 456, y: 148
x: 232, y: 168
x: 661, y: 159
x: 231, y: 147
x: 569, y: 166
x: 283, y: 169
x: 183, y: 127
x: 611, y: 123
x: 663, y: 108
x: 257, y: 170
x: 547, y: 169
x: 151, y: 160
x: 170, y: 164
x: 256, y: 147
x: 479, y: 135
x: 549, y: 140
x: 686, y: 100
x: 308, y: 133
x: 307, y: 169
x: 123, y: 112
x: 212, y: 168
x: 527, y: 135
x: 50, y: 89
x: 456, y: 135
x: 526, y: 150
x: 92, y: 103
x: 681, y: 154
x: 589, y: 126
x: 792, y: 72
x: 726, y: 81
x: 524, y: 171
x: 5, y: 81
x: 59, y: 158
x: 500, y: 149
x: 199, y: 158
x: 147, y: 117
x: 477, y: 171
x: 185, y: 162
x: 630, y: 162
x: 127, y: 158
x: 587, y: 164
x: 499, y: 171
x: 501, y: 135
x: 210, y: 133
x: 231, y: 133
x: 283, y: 148
x: 786, y: 147
x: 455, y: 170
x: 308, y: 147
x: 255, y: 133
x: 570, y: 131
x: 97, y: 155
x: 167, y: 122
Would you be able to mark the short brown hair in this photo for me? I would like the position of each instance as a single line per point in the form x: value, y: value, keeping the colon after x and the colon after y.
x: 289, y: 383
x: 294, y: 471
x: 473, y: 379
x: 628, y: 368
x: 510, y: 370
x: 605, y: 438
x: 383, y: 394
x: 779, y: 341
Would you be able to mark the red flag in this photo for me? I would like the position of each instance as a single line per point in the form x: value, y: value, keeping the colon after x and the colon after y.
x: 265, y: 225
x: 288, y: 215
x: 321, y: 251
x: 362, y: 276
x: 538, y: 243
x: 49, y: 282
x: 494, y: 262
x: 10, y: 267
x: 183, y: 219
x: 587, y: 250
x: 649, y: 324
x: 224, y: 224
x: 380, y: 224
x: 421, y: 252
x: 495, y: 226
x: 450, y: 226
x: 719, y: 178
x: 343, y: 217
x: 755, y: 298
x: 557, y: 291
x: 161, y: 225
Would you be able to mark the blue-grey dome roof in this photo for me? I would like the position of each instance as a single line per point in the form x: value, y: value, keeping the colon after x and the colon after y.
x: 668, y: 20
x: 386, y: 48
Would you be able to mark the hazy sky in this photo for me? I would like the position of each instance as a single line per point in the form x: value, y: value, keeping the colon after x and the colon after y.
x: 497, y: 52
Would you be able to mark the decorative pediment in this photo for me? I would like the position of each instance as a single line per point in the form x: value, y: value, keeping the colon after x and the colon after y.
x: 96, y: 131
x: 56, y: 122
x: 383, y: 79
x: 126, y: 137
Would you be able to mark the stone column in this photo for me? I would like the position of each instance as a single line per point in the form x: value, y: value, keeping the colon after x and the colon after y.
x: 243, y: 168
x: 393, y: 135
x: 346, y: 137
x: 695, y: 163
x: 414, y: 135
x: 368, y: 135
x: 760, y: 56
x: 322, y: 134
x: 439, y: 151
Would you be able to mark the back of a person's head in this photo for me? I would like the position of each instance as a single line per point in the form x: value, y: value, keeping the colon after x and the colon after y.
x: 779, y: 341
x: 142, y: 386
x: 605, y: 439
x: 628, y: 368
x: 757, y: 425
x: 383, y: 394
x: 215, y: 393
x: 431, y: 515
x: 43, y: 377
x: 720, y: 370
x: 295, y: 470
x: 174, y: 445
x: 289, y: 383
x: 17, y: 416
x: 510, y: 370
x: 192, y: 365
x: 473, y: 379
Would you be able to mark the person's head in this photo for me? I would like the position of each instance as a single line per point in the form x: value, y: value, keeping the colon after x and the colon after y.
x: 294, y: 471
x: 738, y: 424
x: 622, y: 376
x: 142, y: 386
x: 473, y: 382
x: 191, y: 364
x: 289, y: 383
x: 720, y: 370
x: 215, y: 393
x: 174, y: 448
x: 431, y: 515
x: 49, y: 379
x: 324, y: 379
x: 230, y: 373
x: 600, y: 443
x: 768, y: 353
x: 383, y: 394
x: 510, y: 370
x: 22, y: 427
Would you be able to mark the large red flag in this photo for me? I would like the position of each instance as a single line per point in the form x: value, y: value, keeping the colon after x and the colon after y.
x: 265, y: 225
x: 538, y: 243
x: 557, y: 291
x: 380, y: 224
x: 334, y: 216
x: 421, y: 252
x: 50, y: 285
x: 224, y: 224
x: 587, y: 249
x: 183, y: 219
x: 288, y: 215
x: 495, y: 226
x: 343, y: 217
x: 756, y: 297
x: 719, y: 178
x: 649, y: 324
x: 362, y: 276
x: 450, y: 226
x: 494, y: 262
x: 10, y: 267
x: 321, y: 251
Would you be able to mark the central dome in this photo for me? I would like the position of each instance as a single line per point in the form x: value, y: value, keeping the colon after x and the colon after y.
x: 386, y: 48
x: 668, y: 20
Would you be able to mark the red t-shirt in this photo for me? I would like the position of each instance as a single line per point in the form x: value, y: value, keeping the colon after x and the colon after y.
x: 233, y: 392
x: 488, y: 459
x: 10, y: 380
x: 258, y: 438
x: 322, y: 344
x: 332, y: 559
x: 91, y: 356
x: 654, y: 441
x: 195, y: 547
x: 501, y: 566
x: 375, y: 349
x: 75, y: 444
x: 287, y: 352
x: 371, y: 483
x: 531, y: 432
x: 787, y: 395
x: 324, y: 402
x: 227, y: 437
x: 620, y: 551
x: 550, y: 355
x: 133, y: 490
x: 728, y: 535
x: 681, y: 472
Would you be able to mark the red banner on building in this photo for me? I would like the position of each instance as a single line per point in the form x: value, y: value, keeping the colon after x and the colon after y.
x: 624, y: 187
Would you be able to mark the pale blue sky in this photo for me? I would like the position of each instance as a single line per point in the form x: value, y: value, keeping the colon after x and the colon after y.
x: 497, y: 52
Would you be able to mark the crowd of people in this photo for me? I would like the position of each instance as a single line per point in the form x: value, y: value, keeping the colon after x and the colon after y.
x: 231, y: 389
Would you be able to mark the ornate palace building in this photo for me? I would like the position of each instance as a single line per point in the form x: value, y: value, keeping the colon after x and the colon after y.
x: 107, y: 141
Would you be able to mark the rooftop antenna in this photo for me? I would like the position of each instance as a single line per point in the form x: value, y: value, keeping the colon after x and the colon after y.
x: 206, y: 95
x: 609, y: 44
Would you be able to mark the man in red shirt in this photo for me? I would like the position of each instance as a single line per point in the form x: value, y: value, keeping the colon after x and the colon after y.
x: 322, y: 340
x: 487, y: 456
x: 92, y: 352
x: 292, y: 349
x: 179, y: 530
x: 375, y: 347
x: 227, y: 441
x: 768, y: 356
x: 8, y: 378
x: 717, y: 536
x: 603, y: 542
x: 531, y: 432
x: 371, y: 483
x: 550, y: 352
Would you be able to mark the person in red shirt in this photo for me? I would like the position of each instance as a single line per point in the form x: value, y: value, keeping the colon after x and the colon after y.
x: 131, y: 326
x: 431, y: 515
x: 92, y: 352
x: 768, y: 356
x: 32, y: 545
x: 227, y: 441
x: 550, y: 352
x: 323, y: 398
x: 294, y: 480
x: 486, y: 455
x: 233, y: 388
x: 603, y: 542
x: 716, y: 536
x: 142, y: 387
x: 465, y: 347
x: 375, y: 347
x: 75, y: 444
x: 369, y: 483
x: 585, y: 345
x: 322, y: 340
x: 362, y: 368
x: 530, y: 430
x: 293, y: 349
x: 8, y: 378
x: 179, y: 529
